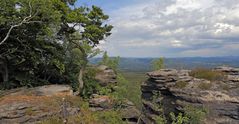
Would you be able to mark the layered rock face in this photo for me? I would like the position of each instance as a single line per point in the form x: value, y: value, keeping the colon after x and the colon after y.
x: 178, y: 89
x: 32, y: 105
x: 105, y: 75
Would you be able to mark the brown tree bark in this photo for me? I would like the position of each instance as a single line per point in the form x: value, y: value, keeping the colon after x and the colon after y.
x: 80, y: 78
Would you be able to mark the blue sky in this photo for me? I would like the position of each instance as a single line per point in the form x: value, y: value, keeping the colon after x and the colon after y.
x: 171, y: 28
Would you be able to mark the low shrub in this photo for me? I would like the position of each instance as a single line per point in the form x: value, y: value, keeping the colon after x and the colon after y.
x: 160, y: 120
x: 196, y: 115
x: 206, y: 74
x: 110, y: 117
x: 179, y: 119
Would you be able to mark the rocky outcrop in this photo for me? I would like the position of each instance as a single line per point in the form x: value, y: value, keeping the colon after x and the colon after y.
x: 31, y: 105
x: 105, y: 75
x: 99, y: 103
x: 178, y: 89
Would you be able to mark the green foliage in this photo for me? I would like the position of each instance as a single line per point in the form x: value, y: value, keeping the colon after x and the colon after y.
x: 158, y: 63
x: 132, y: 86
x: 195, y: 115
x: 110, y: 62
x: 91, y: 85
x: 48, y: 49
x: 191, y: 115
x: 110, y: 117
x: 121, y: 89
x: 204, y: 86
x: 207, y: 74
x: 180, y: 119
x: 120, y: 92
x: 160, y: 120
x: 181, y: 84
x: 105, y: 90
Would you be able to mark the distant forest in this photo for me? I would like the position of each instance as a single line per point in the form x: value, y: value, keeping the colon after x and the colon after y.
x: 144, y: 64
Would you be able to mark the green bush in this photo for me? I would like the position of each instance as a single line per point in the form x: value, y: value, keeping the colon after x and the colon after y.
x: 158, y: 63
x: 196, y: 115
x: 110, y: 62
x: 206, y: 74
x: 180, y: 119
x: 160, y: 120
x: 110, y: 117
x: 181, y: 84
x: 205, y: 86
x: 91, y: 86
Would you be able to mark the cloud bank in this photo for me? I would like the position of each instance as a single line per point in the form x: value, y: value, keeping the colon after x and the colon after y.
x: 175, y: 28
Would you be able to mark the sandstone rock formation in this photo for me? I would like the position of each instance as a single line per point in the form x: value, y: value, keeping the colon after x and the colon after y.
x: 105, y: 75
x: 178, y: 89
x: 98, y: 103
x: 30, y: 105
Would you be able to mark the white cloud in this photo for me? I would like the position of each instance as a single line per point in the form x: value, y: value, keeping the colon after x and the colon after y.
x: 139, y: 43
x: 176, y: 28
x: 176, y: 43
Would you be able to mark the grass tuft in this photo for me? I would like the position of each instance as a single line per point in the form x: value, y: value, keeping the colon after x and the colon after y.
x: 207, y: 74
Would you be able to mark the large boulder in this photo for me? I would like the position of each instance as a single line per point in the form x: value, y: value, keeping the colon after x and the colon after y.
x: 177, y: 89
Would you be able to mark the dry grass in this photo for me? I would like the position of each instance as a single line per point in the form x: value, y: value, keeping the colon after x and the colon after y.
x: 207, y: 74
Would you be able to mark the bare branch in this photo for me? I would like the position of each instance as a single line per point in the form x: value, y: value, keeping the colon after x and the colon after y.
x: 30, y: 7
x: 26, y: 20
x: 33, y: 22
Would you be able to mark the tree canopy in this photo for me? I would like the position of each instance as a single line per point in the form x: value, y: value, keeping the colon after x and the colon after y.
x: 47, y: 41
x: 158, y: 63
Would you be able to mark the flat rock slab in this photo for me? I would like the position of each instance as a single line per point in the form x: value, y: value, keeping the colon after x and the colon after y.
x: 47, y: 90
x: 31, y: 105
x: 50, y: 90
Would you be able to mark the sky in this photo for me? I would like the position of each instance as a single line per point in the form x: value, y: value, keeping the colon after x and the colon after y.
x: 171, y: 28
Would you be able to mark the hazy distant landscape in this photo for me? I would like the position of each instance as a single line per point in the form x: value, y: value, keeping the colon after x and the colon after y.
x: 144, y: 64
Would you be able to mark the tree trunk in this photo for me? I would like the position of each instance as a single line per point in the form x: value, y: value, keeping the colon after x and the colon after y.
x: 5, y: 73
x: 82, y: 70
x: 80, y: 78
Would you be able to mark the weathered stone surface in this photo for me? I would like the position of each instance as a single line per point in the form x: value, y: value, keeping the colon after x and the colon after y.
x: 31, y: 105
x: 130, y: 113
x: 105, y: 75
x: 221, y: 98
x: 49, y: 90
x: 104, y: 102
x: 228, y: 70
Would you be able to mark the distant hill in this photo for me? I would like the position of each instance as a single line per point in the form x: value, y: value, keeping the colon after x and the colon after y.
x: 144, y: 64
